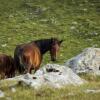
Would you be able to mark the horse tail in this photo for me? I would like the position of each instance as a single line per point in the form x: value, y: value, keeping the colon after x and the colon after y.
x: 21, y: 61
x: 18, y: 60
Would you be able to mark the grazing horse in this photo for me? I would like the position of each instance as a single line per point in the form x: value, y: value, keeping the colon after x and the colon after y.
x: 29, y: 56
x: 7, y: 68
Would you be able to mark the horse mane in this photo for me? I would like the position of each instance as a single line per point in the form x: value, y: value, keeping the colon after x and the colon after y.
x: 44, y: 44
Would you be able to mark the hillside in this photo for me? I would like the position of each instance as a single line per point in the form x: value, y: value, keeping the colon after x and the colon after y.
x: 77, y: 22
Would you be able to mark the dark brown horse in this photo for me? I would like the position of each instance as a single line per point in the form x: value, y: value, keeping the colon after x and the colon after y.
x: 29, y: 56
x: 7, y: 68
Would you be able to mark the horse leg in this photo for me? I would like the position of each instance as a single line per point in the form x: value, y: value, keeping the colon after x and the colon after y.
x: 29, y: 69
x: 3, y: 76
x: 35, y: 69
x: 10, y: 75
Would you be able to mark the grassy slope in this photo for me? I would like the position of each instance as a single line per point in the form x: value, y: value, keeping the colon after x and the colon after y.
x: 47, y: 93
x: 75, y: 21
x: 26, y: 20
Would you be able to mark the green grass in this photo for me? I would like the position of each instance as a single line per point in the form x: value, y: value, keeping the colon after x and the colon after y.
x: 75, y: 21
x: 22, y: 21
x: 47, y: 93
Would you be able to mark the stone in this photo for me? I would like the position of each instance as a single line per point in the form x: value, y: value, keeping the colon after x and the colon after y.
x: 87, y: 61
x: 1, y: 94
x: 92, y: 91
x: 13, y: 89
x: 53, y: 75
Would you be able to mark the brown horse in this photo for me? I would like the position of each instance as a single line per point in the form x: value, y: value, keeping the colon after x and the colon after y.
x: 7, y: 68
x: 29, y: 56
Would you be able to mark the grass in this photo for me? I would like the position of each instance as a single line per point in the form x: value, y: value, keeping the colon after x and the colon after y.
x: 22, y: 21
x: 75, y: 21
x: 47, y: 93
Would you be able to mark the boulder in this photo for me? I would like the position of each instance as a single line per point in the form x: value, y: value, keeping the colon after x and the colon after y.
x: 2, y: 94
x: 87, y: 61
x: 51, y: 75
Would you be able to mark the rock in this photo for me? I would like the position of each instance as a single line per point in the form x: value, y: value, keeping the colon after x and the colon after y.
x: 13, y: 89
x: 8, y: 98
x: 87, y: 61
x: 92, y: 91
x: 4, y: 45
x: 51, y: 75
x: 61, y: 75
x: 1, y: 94
x: 29, y: 80
x: 71, y: 94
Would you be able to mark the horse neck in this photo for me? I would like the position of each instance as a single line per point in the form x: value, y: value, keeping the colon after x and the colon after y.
x: 44, y: 45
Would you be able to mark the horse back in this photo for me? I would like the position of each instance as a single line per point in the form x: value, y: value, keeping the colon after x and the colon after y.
x: 27, y: 55
x: 32, y: 55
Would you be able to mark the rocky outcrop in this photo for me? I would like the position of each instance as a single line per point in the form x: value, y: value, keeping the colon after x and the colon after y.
x: 50, y: 75
x: 87, y: 61
x: 1, y: 94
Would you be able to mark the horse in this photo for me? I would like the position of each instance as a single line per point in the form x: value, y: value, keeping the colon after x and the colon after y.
x: 29, y: 56
x: 7, y: 69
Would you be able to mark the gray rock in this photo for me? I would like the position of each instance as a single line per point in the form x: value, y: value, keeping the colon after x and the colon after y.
x: 32, y: 81
x: 87, y: 61
x: 61, y: 75
x: 1, y: 94
x: 8, y: 98
x: 13, y: 89
x: 92, y: 91
x: 51, y: 75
